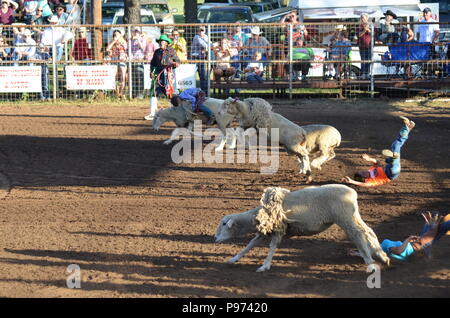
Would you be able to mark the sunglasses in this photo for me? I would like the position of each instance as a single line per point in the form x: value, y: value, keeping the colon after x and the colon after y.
x: 39, y: 10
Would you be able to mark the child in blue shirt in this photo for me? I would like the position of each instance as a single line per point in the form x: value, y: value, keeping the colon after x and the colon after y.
x: 197, y: 97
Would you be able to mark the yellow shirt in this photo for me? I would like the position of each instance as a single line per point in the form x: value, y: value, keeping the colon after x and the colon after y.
x: 180, y: 48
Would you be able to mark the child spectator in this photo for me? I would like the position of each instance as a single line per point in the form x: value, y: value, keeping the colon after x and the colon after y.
x: 117, y: 50
x: 223, y: 55
x: 5, y: 52
x: 303, y: 54
x: 255, y: 69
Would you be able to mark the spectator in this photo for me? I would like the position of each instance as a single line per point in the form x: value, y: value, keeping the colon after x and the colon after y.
x: 258, y: 43
x: 240, y: 36
x: 179, y: 45
x: 59, y: 35
x: 303, y: 54
x: 54, y: 3
x: 223, y: 68
x: 117, y: 50
x: 427, y: 32
x: 364, y: 43
x: 150, y: 47
x: 234, y: 48
x: 7, y: 11
x: 42, y: 54
x: 46, y: 10
x: 26, y: 49
x: 332, y: 56
x: 38, y: 19
x: 74, y: 12
x: 62, y: 16
x: 199, y: 51
x: 407, y: 34
x: 388, y: 33
x: 29, y: 10
x: 138, y: 44
x: 164, y: 61
x: 81, y: 50
x: 5, y: 52
x: 255, y: 69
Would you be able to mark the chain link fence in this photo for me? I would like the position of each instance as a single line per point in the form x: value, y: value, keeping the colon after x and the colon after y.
x: 50, y: 62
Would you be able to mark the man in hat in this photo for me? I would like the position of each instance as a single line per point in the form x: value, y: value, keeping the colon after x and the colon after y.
x: 258, y: 43
x: 387, y: 31
x: 427, y: 32
x: 81, y: 50
x: 26, y: 49
x: 162, y: 72
x: 59, y: 35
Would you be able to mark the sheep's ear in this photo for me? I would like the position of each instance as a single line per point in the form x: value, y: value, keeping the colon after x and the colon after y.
x: 230, y: 223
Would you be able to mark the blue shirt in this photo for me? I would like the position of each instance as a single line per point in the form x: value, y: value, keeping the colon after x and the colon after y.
x: 190, y: 94
x: 387, y: 244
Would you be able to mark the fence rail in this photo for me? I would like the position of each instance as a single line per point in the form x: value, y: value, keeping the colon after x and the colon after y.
x: 79, y: 61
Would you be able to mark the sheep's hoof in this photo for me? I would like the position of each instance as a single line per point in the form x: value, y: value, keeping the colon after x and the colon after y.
x: 263, y: 268
x: 233, y: 260
x: 309, y: 179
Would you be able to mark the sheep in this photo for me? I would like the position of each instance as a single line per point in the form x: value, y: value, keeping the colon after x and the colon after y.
x: 301, y: 213
x: 320, y: 140
x: 257, y: 113
x: 183, y: 117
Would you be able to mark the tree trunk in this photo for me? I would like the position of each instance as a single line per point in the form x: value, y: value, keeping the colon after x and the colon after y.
x: 132, y: 12
x: 190, y: 11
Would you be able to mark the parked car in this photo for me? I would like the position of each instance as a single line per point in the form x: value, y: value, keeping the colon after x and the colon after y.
x: 273, y: 16
x: 147, y: 17
x: 215, y: 3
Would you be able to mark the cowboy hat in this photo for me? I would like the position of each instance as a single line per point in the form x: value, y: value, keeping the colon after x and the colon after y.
x: 82, y: 29
x: 256, y: 30
x: 164, y: 37
x: 392, y: 14
x: 26, y: 32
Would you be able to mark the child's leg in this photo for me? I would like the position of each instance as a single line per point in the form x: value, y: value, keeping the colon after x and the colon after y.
x: 443, y: 228
x: 393, y: 166
x: 205, y: 110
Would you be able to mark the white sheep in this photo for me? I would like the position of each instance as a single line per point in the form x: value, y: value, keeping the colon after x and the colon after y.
x: 300, y: 213
x: 319, y: 140
x: 257, y: 113
x: 183, y: 117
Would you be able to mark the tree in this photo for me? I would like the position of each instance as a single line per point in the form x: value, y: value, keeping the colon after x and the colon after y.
x: 190, y: 11
x: 132, y: 12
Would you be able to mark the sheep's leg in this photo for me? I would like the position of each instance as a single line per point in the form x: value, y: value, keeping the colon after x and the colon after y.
x: 276, y: 240
x: 173, y: 136
x: 325, y: 156
x: 356, y: 235
x: 246, y: 249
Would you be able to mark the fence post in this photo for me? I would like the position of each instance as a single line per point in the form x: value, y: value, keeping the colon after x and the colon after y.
x: 372, y: 64
x: 130, y: 70
x: 290, y: 33
x: 54, y: 66
x: 208, y: 65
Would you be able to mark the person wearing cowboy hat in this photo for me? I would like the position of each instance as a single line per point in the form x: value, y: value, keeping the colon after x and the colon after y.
x: 387, y: 30
x: 60, y: 36
x: 163, y: 63
x: 258, y: 43
x: 25, y: 50
x: 81, y: 50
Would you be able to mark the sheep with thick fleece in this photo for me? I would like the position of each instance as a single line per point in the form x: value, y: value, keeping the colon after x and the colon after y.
x: 183, y: 117
x: 256, y: 112
x: 301, y: 213
x: 320, y: 140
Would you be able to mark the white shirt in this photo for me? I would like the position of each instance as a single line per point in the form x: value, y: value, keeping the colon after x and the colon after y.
x: 426, y: 31
x: 60, y: 34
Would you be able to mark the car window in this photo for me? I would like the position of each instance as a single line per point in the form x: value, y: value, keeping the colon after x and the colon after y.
x: 157, y: 8
x: 215, y: 1
x: 145, y: 19
x: 228, y: 17
x: 256, y: 8
x: 109, y: 12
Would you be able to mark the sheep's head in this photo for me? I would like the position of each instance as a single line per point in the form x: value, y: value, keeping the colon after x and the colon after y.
x: 236, y: 225
x: 157, y: 121
x: 226, y: 229
x: 231, y: 106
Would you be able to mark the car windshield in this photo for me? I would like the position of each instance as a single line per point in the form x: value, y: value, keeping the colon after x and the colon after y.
x: 145, y: 19
x: 216, y: 1
x: 228, y: 16
x: 255, y: 8
x: 157, y: 8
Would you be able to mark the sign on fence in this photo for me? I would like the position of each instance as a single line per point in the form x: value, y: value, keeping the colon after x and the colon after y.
x: 91, y: 77
x: 20, y: 79
x: 184, y: 74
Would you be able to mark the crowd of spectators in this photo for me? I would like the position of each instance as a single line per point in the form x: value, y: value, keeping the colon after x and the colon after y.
x: 238, y: 53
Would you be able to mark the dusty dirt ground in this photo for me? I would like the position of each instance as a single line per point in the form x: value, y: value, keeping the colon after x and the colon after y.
x: 94, y: 186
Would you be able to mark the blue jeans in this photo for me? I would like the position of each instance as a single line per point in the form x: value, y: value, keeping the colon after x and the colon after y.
x: 201, y: 69
x: 366, y: 54
x: 254, y: 79
x: 393, y: 167
x: 205, y: 110
x: 443, y: 228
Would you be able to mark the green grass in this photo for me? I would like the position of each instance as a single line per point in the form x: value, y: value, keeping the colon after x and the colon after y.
x: 178, y: 4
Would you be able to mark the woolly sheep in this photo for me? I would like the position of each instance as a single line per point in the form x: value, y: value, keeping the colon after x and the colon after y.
x: 257, y: 113
x: 183, y: 117
x: 320, y: 139
x: 301, y: 213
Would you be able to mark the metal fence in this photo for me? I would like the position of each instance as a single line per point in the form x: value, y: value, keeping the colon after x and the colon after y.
x: 71, y: 62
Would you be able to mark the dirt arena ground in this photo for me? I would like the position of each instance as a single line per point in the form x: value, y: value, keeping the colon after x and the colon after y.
x: 95, y: 186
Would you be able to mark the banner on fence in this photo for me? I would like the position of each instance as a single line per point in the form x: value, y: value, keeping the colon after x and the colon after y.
x: 20, y: 79
x: 91, y: 77
x: 184, y: 75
